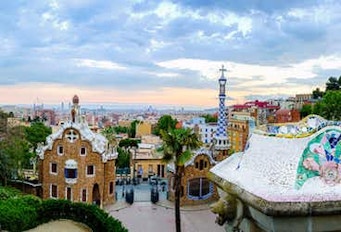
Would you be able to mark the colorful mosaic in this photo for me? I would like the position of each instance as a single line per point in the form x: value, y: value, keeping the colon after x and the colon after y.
x: 321, y: 158
x: 304, y: 128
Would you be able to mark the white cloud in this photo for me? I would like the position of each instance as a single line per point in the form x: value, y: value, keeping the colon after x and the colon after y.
x: 100, y: 64
x: 305, y: 69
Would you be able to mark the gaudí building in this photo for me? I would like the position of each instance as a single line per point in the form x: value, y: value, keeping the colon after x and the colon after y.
x: 77, y: 164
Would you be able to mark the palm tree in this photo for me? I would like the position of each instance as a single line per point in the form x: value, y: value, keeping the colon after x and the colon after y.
x: 177, y: 146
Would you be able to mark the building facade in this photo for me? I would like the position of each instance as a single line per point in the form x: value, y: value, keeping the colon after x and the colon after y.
x: 196, y: 188
x: 77, y: 164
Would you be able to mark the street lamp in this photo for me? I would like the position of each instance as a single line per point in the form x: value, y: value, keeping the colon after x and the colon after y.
x: 134, y: 163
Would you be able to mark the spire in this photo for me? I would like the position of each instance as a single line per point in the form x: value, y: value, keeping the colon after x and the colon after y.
x: 75, y: 111
x: 221, y: 138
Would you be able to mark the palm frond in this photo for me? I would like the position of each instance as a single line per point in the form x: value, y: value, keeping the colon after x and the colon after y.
x: 183, y: 158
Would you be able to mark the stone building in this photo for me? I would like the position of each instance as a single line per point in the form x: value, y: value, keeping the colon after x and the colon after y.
x: 195, y: 187
x: 77, y: 164
x: 143, y: 128
x: 146, y: 160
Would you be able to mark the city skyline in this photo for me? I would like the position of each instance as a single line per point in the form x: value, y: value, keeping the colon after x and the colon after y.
x: 166, y: 52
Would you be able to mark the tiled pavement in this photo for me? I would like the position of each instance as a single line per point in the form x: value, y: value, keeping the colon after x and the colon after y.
x: 143, y: 215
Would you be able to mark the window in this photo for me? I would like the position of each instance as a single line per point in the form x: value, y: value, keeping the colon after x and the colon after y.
x: 53, y: 191
x: 201, y: 165
x: 199, y: 189
x: 53, y: 168
x: 60, y: 150
x: 72, y: 136
x: 111, y: 187
x: 150, y: 168
x: 68, y: 194
x: 90, y: 170
x: 83, y: 195
x: 83, y: 151
x: 70, y: 173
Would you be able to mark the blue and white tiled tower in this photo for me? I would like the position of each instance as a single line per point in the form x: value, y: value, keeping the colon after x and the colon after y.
x: 221, y: 138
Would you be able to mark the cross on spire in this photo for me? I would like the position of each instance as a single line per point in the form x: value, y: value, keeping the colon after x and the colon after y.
x: 222, y: 70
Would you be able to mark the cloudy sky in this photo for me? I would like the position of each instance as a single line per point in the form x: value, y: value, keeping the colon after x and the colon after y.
x: 166, y: 52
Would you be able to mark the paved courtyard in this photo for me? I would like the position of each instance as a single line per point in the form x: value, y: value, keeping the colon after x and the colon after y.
x: 143, y: 215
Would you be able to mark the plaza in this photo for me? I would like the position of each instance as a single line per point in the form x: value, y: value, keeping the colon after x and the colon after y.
x: 143, y: 215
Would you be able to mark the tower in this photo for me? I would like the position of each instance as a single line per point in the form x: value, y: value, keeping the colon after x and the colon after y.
x: 221, y: 139
x: 75, y: 112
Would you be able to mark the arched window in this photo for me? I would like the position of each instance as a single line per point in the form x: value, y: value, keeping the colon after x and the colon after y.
x: 199, y: 189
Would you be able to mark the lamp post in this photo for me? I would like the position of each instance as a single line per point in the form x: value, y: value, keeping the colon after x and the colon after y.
x: 134, y: 162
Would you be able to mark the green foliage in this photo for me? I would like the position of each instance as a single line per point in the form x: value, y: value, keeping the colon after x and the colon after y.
x: 123, y: 158
x: 128, y: 143
x: 177, y: 143
x: 110, y: 134
x: 3, y: 122
x: 13, y: 153
x: 306, y: 110
x: 8, y: 192
x: 333, y: 83
x: 37, y: 133
x: 19, y: 213
x: 91, y: 215
x: 330, y: 107
x: 209, y: 118
x: 166, y: 122
x: 132, y: 129
x: 317, y: 94
x: 121, y: 129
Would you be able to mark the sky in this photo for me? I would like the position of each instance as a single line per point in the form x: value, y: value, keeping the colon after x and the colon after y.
x: 166, y: 52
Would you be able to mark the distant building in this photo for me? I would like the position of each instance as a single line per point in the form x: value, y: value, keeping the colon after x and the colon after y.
x: 262, y: 111
x: 147, y: 161
x: 207, y: 132
x: 301, y: 99
x: 143, y: 128
x: 77, y: 164
x: 285, y: 115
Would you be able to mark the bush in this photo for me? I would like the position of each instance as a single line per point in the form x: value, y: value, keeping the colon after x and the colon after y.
x: 23, y: 212
x: 8, y: 192
x: 16, y: 214
x: 91, y: 215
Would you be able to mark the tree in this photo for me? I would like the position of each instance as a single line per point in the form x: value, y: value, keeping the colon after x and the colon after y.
x: 123, y: 158
x: 209, y: 118
x: 165, y: 123
x: 306, y: 110
x: 330, y: 107
x: 132, y: 129
x: 333, y: 84
x: 177, y: 146
x: 14, y: 150
x: 37, y: 133
x: 317, y: 94
x: 125, y: 143
x: 3, y: 123
x: 110, y: 134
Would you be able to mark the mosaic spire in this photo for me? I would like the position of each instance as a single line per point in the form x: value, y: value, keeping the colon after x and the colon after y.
x: 221, y: 134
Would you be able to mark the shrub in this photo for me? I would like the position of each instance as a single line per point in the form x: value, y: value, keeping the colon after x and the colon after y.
x: 17, y: 215
x: 8, y: 192
x: 91, y: 215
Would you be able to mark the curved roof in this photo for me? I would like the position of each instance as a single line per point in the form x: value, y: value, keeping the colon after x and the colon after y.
x: 98, y: 141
